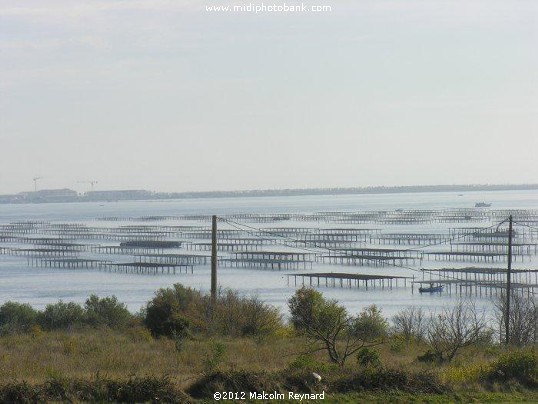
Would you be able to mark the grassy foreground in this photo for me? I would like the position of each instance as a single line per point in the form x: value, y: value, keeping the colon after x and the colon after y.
x: 130, y: 365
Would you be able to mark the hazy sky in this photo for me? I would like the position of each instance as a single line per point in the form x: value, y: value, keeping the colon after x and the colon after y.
x: 163, y: 95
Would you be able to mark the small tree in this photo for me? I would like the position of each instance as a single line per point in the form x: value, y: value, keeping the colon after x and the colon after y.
x: 370, y: 325
x: 61, y: 315
x: 106, y: 311
x: 455, y: 328
x: 328, y: 327
x: 174, y: 311
x: 164, y: 314
x: 16, y: 317
x: 238, y: 315
x: 523, y: 318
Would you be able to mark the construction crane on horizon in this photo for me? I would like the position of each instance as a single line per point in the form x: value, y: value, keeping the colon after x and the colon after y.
x: 35, y: 182
x: 92, y: 183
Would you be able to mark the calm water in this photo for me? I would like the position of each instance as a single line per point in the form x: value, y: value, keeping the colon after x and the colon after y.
x: 39, y: 286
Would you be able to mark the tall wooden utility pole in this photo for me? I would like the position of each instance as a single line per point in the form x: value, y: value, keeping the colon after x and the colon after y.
x: 508, y: 281
x: 214, y: 259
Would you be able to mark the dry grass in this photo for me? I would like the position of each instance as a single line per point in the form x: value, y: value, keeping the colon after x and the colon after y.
x: 84, y: 353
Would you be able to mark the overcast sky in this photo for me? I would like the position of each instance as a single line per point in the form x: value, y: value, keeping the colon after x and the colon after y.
x: 163, y: 95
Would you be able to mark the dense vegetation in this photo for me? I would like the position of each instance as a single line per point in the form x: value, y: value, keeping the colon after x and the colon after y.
x: 182, y: 347
x: 179, y: 311
x: 107, y: 312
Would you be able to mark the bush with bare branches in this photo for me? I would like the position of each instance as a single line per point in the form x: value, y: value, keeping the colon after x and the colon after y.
x: 523, y: 323
x: 410, y: 324
x: 455, y: 328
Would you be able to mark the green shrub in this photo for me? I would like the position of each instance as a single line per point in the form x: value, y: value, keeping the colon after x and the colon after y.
x: 16, y: 317
x: 370, y: 325
x: 214, y: 358
x: 398, y: 343
x: 328, y: 327
x: 166, y: 314
x: 521, y: 365
x: 309, y: 309
x: 106, y: 311
x: 465, y: 374
x: 179, y: 311
x: 61, y: 315
x: 237, y: 315
x: 368, y: 357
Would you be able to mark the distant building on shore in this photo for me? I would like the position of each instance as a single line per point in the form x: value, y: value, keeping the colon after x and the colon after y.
x: 51, y: 195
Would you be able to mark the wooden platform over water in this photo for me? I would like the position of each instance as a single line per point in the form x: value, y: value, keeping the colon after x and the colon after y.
x: 348, y: 279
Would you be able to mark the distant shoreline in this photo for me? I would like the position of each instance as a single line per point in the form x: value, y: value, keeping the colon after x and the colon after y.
x: 356, y: 190
x: 66, y: 195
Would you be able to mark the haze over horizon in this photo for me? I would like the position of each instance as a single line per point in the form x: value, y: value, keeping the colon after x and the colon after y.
x: 157, y: 95
x: 390, y: 188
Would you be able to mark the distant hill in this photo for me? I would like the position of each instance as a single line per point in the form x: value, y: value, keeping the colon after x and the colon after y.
x: 343, y: 191
x: 68, y: 195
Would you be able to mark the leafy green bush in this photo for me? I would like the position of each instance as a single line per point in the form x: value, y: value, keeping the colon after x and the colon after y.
x: 521, y: 365
x: 368, y: 357
x: 16, y: 317
x: 370, y: 325
x: 61, y: 315
x: 309, y: 308
x: 178, y: 311
x: 106, y: 311
x: 237, y: 315
x: 166, y: 314
x: 328, y: 326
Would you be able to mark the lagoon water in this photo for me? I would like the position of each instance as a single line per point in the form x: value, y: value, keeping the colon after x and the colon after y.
x: 40, y: 286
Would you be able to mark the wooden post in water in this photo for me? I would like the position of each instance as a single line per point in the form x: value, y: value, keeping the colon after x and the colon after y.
x: 508, y: 281
x: 214, y: 259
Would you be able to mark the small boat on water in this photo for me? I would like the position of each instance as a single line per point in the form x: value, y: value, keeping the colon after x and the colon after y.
x: 431, y: 289
x: 482, y: 205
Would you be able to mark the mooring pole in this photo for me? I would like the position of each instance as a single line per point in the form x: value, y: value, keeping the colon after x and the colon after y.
x: 508, y: 281
x: 214, y: 259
